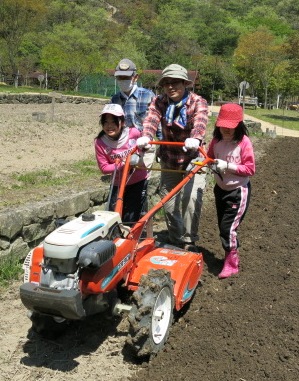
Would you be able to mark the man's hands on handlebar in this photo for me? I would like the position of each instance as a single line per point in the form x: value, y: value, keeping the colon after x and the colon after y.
x: 191, y: 144
x: 143, y: 142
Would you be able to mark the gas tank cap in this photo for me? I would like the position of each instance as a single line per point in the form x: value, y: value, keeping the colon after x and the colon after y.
x: 88, y: 217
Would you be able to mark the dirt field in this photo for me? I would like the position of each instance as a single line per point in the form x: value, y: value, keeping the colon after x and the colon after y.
x: 243, y: 328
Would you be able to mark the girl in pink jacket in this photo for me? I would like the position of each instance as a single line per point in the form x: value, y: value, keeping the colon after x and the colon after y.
x: 112, y: 146
x: 235, y: 163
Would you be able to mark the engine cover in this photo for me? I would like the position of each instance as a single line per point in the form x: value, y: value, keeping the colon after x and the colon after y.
x: 65, y: 241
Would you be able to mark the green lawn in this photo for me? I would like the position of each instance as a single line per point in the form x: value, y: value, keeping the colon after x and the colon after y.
x: 21, y: 89
x: 29, y: 89
x: 279, y: 117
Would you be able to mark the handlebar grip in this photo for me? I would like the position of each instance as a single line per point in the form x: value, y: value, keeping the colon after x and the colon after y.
x: 177, y: 144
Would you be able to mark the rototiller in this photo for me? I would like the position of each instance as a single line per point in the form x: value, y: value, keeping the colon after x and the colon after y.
x: 78, y: 268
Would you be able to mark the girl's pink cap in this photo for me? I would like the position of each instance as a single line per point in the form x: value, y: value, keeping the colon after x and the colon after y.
x: 230, y: 115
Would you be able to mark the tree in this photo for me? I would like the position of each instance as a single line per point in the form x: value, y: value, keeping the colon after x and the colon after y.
x: 29, y: 53
x: 256, y: 58
x: 17, y: 17
x: 292, y: 51
x: 173, y: 37
x: 129, y: 45
x: 268, y: 17
x: 289, y: 9
x: 70, y: 54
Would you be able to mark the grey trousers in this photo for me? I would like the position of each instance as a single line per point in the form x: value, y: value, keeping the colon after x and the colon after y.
x: 182, y: 212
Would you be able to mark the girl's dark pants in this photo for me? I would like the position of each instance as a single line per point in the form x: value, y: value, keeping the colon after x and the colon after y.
x: 231, y: 208
x: 135, y: 201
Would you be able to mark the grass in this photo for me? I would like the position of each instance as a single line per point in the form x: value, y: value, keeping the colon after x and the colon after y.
x: 86, y: 167
x: 28, y: 89
x: 10, y: 270
x: 33, y: 178
x: 19, y: 188
x: 48, y: 177
x: 279, y: 117
x: 21, y: 89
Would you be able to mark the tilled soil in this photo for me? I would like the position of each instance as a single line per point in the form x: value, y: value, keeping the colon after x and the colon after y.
x: 244, y: 328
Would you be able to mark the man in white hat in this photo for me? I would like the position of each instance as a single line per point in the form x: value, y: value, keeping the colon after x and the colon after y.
x: 183, y: 116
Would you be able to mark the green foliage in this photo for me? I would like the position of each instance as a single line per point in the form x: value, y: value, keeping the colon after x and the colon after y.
x: 289, y: 9
x: 257, y: 58
x: 292, y: 51
x: 10, y: 269
x: 18, y: 17
x: 148, y: 80
x: 127, y: 46
x: 263, y: 15
x: 174, y: 35
x: 78, y: 38
x: 137, y: 14
x: 70, y: 52
x: 217, y: 33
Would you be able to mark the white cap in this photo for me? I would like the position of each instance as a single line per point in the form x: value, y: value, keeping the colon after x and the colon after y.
x: 113, y: 108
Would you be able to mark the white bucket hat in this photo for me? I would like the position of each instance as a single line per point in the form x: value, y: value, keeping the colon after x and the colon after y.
x: 175, y: 71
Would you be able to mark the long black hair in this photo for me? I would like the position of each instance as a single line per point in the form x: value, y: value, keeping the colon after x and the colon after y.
x: 239, y: 132
x: 116, y: 120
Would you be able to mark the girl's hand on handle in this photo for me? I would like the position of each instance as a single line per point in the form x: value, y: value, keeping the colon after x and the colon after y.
x: 134, y: 159
x: 221, y: 165
x: 118, y: 163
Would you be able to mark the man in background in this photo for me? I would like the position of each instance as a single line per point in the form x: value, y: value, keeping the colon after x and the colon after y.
x: 133, y: 99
